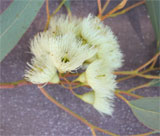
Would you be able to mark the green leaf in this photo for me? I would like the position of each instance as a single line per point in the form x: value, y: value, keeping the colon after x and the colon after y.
x: 155, y: 82
x: 153, y: 7
x: 68, y: 4
x: 147, y: 111
x: 15, y: 20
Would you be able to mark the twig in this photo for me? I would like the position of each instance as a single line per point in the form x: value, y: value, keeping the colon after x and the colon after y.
x: 99, y: 8
x: 121, y: 97
x: 154, y: 62
x: 58, y: 8
x: 129, y: 94
x: 14, y: 84
x: 74, y: 114
x: 131, y: 76
x: 144, y: 134
x: 118, y: 7
x: 147, y: 63
x: 139, y: 87
x: 136, y: 74
x: 127, y: 9
x: 105, y: 5
x: 24, y: 82
x: 48, y: 15
x: 125, y: 78
x: 148, y: 76
x: 70, y: 87
x: 93, y: 132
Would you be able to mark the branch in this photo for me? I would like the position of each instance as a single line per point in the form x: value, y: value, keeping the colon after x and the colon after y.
x: 140, y: 68
x: 48, y: 15
x: 58, y: 8
x: 144, y: 134
x: 128, y: 9
x: 149, y: 62
x: 99, y: 8
x: 139, y: 87
x: 121, y: 97
x: 129, y: 94
x: 136, y: 74
x: 24, y: 82
x: 105, y: 5
x: 118, y: 7
x: 93, y: 132
x: 131, y: 76
x: 14, y: 84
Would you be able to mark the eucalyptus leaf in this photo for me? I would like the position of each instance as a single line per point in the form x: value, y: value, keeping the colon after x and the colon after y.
x: 147, y: 111
x: 15, y: 20
x: 153, y: 7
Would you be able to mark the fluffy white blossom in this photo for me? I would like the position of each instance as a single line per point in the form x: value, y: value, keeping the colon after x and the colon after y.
x: 99, y: 102
x: 99, y: 74
x: 102, y: 81
x: 41, y: 44
x: 63, y: 53
x: 72, y: 43
x: 62, y: 24
x: 95, y: 33
x: 69, y: 54
x: 41, y: 70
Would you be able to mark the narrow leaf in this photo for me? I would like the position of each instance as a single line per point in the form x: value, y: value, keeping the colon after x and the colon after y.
x: 153, y: 7
x: 147, y: 111
x: 15, y: 20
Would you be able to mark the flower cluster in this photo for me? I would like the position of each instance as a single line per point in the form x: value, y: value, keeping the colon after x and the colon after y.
x: 70, y: 44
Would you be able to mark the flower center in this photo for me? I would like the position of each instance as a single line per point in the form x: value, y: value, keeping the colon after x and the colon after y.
x: 65, y: 60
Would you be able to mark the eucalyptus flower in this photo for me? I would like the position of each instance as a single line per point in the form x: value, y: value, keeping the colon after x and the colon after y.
x: 102, y: 81
x: 41, y: 70
x: 92, y: 31
x: 99, y: 102
x: 62, y: 53
x: 62, y: 24
x: 95, y: 33
x: 68, y: 54
x: 41, y: 44
x: 73, y: 43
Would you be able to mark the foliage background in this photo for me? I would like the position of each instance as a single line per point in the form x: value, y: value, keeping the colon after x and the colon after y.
x: 25, y: 111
